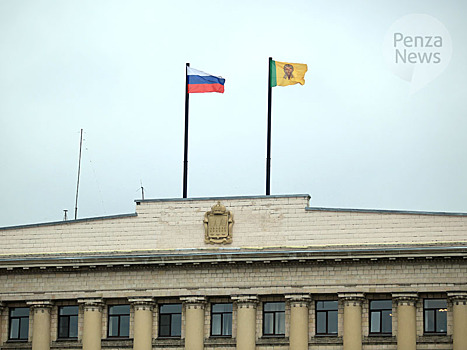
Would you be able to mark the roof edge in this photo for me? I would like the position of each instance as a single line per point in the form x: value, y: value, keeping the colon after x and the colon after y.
x: 342, y: 253
x: 223, y: 198
x: 386, y: 211
x: 66, y: 222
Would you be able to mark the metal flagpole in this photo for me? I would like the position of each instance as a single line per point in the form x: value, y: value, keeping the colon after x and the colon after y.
x: 79, y: 170
x: 185, y: 161
x: 268, y: 158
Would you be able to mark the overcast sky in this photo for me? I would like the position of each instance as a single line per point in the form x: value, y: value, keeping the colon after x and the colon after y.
x: 352, y: 137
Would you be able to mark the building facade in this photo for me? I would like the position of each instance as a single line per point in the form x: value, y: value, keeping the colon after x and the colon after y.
x: 264, y: 272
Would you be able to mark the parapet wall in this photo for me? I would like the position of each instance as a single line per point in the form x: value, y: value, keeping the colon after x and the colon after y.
x: 259, y: 222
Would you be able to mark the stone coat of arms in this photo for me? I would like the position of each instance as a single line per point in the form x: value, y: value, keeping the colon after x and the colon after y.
x: 218, y: 224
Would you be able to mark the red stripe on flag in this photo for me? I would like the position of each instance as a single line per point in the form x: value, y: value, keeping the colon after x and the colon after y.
x: 195, y: 88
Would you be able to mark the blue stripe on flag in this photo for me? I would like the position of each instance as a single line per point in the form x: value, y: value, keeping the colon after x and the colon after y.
x: 196, y: 79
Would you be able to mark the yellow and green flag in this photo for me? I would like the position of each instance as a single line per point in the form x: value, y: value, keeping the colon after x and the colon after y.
x: 284, y: 74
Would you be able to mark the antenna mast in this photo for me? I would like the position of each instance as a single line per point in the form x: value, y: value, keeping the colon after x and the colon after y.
x: 142, y: 191
x: 79, y: 170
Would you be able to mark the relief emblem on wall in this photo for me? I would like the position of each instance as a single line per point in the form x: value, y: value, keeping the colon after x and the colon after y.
x: 218, y: 224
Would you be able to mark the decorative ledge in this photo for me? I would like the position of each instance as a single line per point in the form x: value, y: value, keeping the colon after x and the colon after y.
x: 289, y: 255
x: 168, y: 342
x: 326, y: 340
x: 273, y: 341
x: 59, y: 345
x: 434, y: 339
x: 117, y: 343
x: 11, y: 344
x: 379, y: 339
x: 220, y: 341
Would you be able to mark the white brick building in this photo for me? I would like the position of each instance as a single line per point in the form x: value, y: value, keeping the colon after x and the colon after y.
x: 293, y: 277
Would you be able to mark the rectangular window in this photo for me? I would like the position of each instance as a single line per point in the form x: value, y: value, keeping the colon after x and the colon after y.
x: 326, y: 318
x: 68, y: 322
x: 221, y: 320
x: 170, y: 320
x: 19, y: 323
x: 381, y: 317
x: 119, y: 321
x: 274, y: 319
x: 435, y: 316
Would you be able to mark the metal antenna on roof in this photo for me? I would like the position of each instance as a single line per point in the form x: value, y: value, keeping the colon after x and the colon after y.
x: 65, y: 217
x: 79, y: 170
x: 142, y: 190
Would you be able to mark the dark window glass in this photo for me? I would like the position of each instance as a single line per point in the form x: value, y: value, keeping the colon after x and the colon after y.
x: 24, y: 330
x: 20, y: 312
x: 375, y: 322
x: 68, y: 322
x: 435, y: 316
x: 332, y: 322
x: 268, y: 323
x: 170, y: 320
x: 119, y: 321
x: 435, y: 303
x: 326, y: 317
x: 321, y: 322
x: 221, y: 320
x: 125, y: 326
x: 381, y: 317
x: 274, y: 318
x: 14, y: 328
x: 386, y: 321
x: 73, y: 327
x: 176, y: 326
x: 19, y: 323
x: 164, y: 326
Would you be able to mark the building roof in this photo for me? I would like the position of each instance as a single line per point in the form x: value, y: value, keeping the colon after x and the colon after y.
x: 279, y: 222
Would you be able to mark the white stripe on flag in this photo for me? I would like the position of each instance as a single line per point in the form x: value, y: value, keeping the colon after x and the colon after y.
x: 192, y: 71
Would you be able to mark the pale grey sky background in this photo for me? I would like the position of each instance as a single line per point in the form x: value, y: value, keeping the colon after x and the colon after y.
x: 351, y: 137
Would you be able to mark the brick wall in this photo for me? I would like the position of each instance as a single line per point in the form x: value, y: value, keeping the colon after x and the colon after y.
x: 324, y: 280
x: 259, y: 222
x: 227, y: 279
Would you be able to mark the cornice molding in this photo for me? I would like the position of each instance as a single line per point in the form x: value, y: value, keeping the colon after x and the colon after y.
x: 316, y: 255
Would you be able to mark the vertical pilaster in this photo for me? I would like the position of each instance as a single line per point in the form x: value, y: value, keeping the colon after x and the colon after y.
x: 352, y: 320
x: 2, y: 306
x: 194, y: 322
x: 142, y: 337
x: 92, y: 327
x: 298, y: 320
x: 246, y: 321
x: 406, y: 320
x: 41, y: 324
x: 459, y: 319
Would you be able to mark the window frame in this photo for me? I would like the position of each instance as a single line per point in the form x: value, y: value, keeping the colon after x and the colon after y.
x: 21, y: 320
x: 119, y: 317
x: 326, y: 312
x: 67, y: 317
x: 222, y: 313
x: 435, y: 313
x: 380, y: 311
x: 274, y: 319
x: 170, y: 321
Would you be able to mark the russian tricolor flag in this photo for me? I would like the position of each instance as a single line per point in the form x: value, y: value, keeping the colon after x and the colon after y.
x: 199, y: 81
